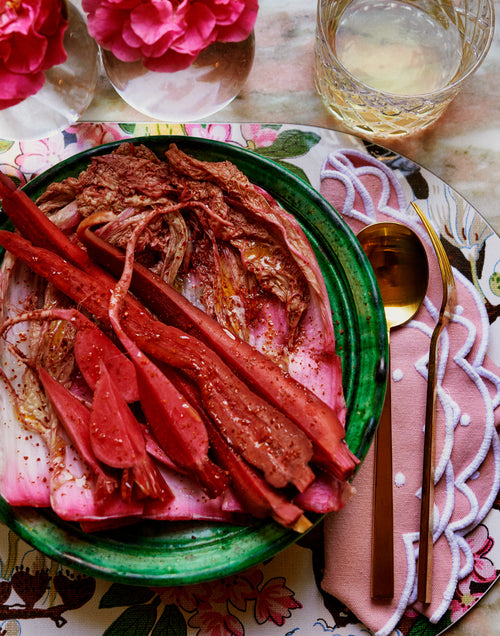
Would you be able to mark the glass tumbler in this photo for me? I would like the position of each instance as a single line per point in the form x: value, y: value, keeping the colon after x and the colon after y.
x: 388, y: 68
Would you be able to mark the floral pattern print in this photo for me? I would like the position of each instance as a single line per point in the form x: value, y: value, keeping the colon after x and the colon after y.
x: 282, y: 597
x: 471, y: 588
x: 34, y: 587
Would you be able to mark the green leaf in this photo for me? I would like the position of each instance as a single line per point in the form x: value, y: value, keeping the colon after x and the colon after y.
x: 135, y: 621
x: 296, y: 170
x: 495, y: 283
x: 170, y: 623
x: 422, y: 627
x: 128, y: 128
x: 5, y: 144
x: 120, y: 595
x: 290, y: 143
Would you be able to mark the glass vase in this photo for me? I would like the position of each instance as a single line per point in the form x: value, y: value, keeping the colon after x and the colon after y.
x: 212, y: 81
x: 68, y: 89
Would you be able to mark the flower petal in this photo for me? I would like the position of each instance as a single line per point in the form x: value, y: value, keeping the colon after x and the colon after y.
x: 31, y: 41
x: 150, y: 21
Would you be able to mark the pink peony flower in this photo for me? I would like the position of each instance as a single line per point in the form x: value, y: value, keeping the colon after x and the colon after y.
x: 260, y: 136
x: 167, y: 35
x: 472, y: 587
x: 218, y: 132
x: 37, y: 156
x: 31, y: 42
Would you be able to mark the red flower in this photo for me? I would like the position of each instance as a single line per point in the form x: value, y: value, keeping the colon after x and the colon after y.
x: 31, y: 42
x: 167, y: 35
x: 275, y: 602
x: 212, y: 622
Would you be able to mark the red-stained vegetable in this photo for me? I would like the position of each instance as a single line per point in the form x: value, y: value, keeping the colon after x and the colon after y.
x: 117, y: 441
x: 226, y: 398
x: 299, y: 404
x: 316, y: 419
x: 91, y: 347
x: 257, y: 497
x: 36, y: 227
x: 75, y: 419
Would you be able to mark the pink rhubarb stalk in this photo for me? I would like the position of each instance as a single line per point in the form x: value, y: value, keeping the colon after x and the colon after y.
x: 117, y: 441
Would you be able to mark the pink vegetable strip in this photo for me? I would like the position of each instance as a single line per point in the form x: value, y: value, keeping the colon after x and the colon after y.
x: 34, y: 225
x: 254, y: 493
x: 189, y: 502
x: 24, y: 456
x: 74, y: 501
x: 174, y: 422
x: 91, y: 347
x: 314, y: 367
x: 156, y: 451
x: 325, y: 494
x: 110, y: 438
x: 117, y: 441
x: 75, y: 419
x: 24, y: 472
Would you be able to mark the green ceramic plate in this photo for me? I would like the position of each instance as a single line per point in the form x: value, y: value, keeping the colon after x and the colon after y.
x: 166, y: 553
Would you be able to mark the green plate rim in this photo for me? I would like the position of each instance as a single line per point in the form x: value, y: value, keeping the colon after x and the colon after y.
x: 124, y: 556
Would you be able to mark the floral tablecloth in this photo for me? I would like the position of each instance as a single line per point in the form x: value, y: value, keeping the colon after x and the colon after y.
x: 283, y: 596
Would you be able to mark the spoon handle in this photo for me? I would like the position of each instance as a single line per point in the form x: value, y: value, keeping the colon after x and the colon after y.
x: 382, y: 581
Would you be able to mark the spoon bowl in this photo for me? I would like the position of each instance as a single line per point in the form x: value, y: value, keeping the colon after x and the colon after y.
x: 400, y: 265
x: 399, y: 262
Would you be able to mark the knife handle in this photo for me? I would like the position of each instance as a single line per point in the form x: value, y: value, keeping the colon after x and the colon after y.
x: 382, y: 574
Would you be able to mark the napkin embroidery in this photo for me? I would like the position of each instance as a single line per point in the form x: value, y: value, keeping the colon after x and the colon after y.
x: 343, y: 169
x: 366, y: 191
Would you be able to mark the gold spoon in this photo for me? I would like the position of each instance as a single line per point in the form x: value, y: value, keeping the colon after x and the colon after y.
x: 399, y: 262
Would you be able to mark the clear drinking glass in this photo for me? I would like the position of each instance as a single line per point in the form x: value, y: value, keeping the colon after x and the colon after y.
x: 388, y: 68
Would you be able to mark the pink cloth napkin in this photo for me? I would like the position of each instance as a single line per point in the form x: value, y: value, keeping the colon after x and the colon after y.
x: 467, y: 446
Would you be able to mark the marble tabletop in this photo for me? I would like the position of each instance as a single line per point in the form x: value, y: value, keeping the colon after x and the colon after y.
x: 462, y: 148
